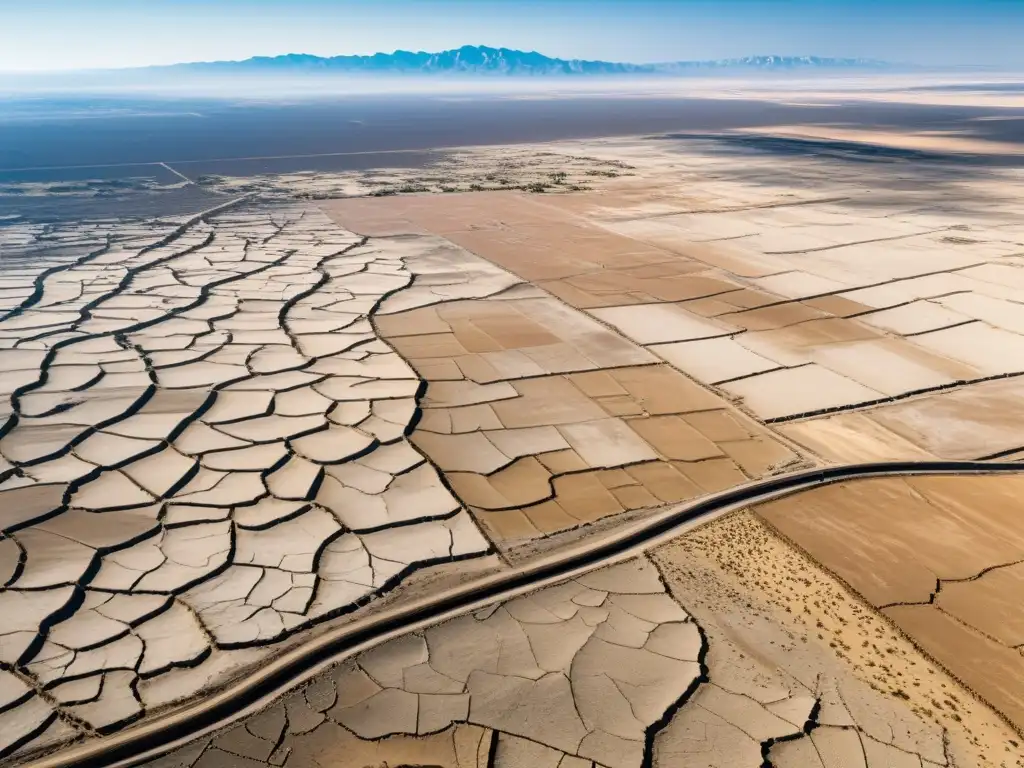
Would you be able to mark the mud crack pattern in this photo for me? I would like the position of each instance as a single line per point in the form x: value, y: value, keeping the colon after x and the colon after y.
x: 573, y: 674
x: 605, y: 670
x: 203, y: 451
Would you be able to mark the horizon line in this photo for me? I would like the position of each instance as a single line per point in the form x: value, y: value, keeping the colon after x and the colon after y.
x: 257, y: 57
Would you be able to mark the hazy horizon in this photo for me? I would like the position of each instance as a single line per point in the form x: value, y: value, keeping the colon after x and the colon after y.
x: 67, y: 35
x: 390, y: 52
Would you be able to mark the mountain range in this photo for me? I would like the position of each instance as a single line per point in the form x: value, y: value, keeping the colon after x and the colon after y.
x: 482, y: 60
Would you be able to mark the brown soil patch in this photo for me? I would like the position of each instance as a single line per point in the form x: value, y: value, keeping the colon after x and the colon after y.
x: 538, y: 431
x: 771, y: 317
x: 554, y: 452
x: 497, y: 340
x: 734, y: 301
x: 582, y: 264
x: 783, y: 610
x: 542, y: 418
x: 936, y: 555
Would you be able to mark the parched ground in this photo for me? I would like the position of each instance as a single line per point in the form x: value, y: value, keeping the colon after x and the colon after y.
x: 227, y: 434
x: 541, y: 415
x: 784, y: 625
x: 940, y: 557
x: 866, y: 308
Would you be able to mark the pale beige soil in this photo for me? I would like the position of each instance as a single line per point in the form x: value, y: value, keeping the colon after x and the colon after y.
x: 572, y: 675
x: 882, y: 293
x: 785, y: 284
x: 852, y: 438
x: 968, y: 423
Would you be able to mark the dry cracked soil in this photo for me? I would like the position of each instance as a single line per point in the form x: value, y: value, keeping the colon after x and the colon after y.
x: 229, y: 434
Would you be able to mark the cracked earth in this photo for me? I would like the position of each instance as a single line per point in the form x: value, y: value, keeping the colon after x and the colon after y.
x: 608, y: 670
x: 205, y: 451
x: 226, y: 434
x: 548, y: 653
x: 946, y: 571
x: 851, y: 319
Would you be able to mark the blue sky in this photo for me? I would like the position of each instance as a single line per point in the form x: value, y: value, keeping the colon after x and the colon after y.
x: 71, y: 34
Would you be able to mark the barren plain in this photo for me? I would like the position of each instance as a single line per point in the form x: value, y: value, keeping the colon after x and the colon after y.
x: 523, y: 456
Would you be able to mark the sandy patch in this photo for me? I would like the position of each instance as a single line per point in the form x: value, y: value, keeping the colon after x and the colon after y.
x: 899, y: 543
x: 767, y: 585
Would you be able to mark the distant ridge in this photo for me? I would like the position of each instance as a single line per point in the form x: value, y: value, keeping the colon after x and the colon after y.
x: 482, y: 60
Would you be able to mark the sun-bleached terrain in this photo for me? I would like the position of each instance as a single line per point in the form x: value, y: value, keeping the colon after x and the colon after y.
x: 865, y: 309
x: 262, y: 456
x: 940, y: 557
x: 541, y: 416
